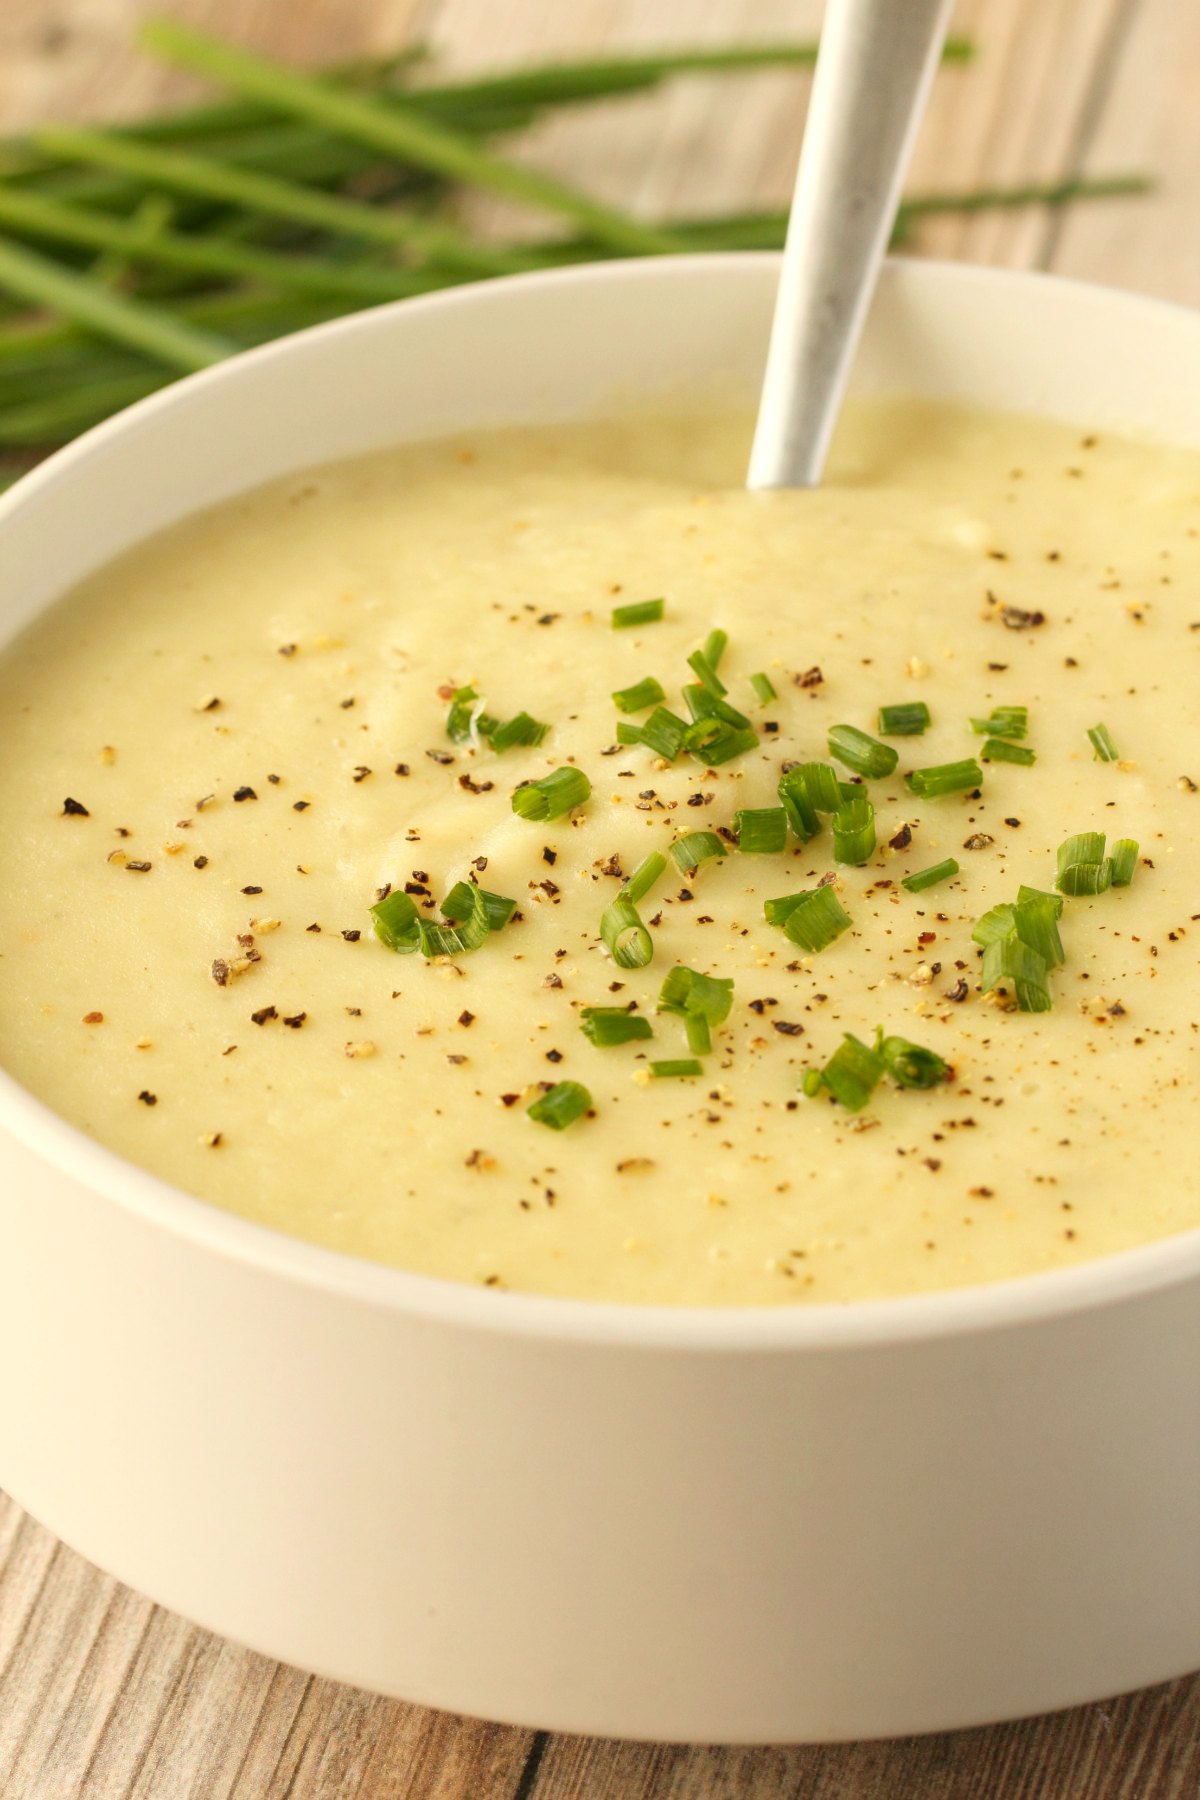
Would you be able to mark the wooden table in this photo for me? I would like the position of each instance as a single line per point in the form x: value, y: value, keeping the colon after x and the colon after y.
x: 106, y: 1697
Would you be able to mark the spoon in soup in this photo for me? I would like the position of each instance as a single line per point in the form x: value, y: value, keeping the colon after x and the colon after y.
x: 876, y: 63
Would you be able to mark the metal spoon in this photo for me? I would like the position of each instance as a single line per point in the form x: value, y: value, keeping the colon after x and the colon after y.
x: 876, y: 62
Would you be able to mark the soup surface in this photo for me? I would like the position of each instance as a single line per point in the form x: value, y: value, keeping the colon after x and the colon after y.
x: 219, y: 751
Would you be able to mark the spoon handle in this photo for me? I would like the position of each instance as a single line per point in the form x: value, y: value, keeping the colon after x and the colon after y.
x: 876, y: 62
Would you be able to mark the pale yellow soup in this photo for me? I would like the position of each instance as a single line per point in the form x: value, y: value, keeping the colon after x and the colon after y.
x: 191, y: 976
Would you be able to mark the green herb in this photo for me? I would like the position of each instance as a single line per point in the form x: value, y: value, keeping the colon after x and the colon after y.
x: 714, y: 647
x: 927, y: 878
x: 910, y: 1065
x: 628, y: 734
x: 705, y: 703
x: 625, y: 937
x: 523, y: 729
x: 467, y: 717
x: 1101, y: 740
x: 762, y: 831
x: 552, y: 796
x: 722, y: 745
x: 796, y: 803
x: 706, y: 673
x: 945, y: 778
x: 907, y: 719
x: 464, y: 898
x: 565, y: 1102
x: 694, y: 848
x: 648, y: 872
x: 664, y: 732
x: 1083, y: 868
x: 638, y: 612
x: 812, y: 919
x: 865, y: 755
x: 396, y: 923
x: 1124, y: 861
x: 764, y: 689
x: 667, y: 1071
x: 637, y: 698
x: 1035, y: 922
x: 854, y: 830
x: 851, y: 1075
x: 1000, y: 750
x: 701, y: 1001
x: 1009, y: 961
x: 997, y: 922
x: 606, y: 1026
x: 1003, y: 722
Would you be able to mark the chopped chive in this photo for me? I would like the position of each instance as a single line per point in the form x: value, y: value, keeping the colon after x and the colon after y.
x: 637, y: 698
x: 907, y: 719
x: 552, y: 796
x: 910, y: 1065
x: 1010, y: 961
x: 822, y: 786
x: 565, y: 1102
x: 812, y: 919
x: 714, y: 647
x: 1124, y: 861
x: 852, y: 1074
x: 1001, y: 750
x: 945, y: 778
x: 699, y: 1033
x: 468, y: 911
x: 854, y: 830
x: 396, y: 923
x: 722, y: 747
x: 644, y: 876
x: 463, y: 898
x: 1003, y: 722
x: 796, y: 803
x: 706, y: 703
x: 1084, y: 847
x: 1035, y: 922
x: 605, y: 1026
x: 705, y: 673
x: 701, y: 1001
x: 664, y: 732
x: 764, y: 688
x: 625, y: 937
x: 641, y: 612
x: 996, y: 923
x: 523, y: 729
x: 684, y: 1065
x: 864, y: 754
x: 694, y: 848
x: 466, y: 717
x: 762, y: 831
x: 628, y: 734
x: 1101, y: 740
x: 1032, y: 893
x: 927, y: 878
x: 1082, y: 879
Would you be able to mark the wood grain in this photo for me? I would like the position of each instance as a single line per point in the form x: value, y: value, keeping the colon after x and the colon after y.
x: 106, y: 1697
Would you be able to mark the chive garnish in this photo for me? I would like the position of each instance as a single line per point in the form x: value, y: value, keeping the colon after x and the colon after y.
x: 1035, y: 922
x: 714, y: 647
x: 722, y: 746
x: 797, y: 804
x: 764, y: 688
x: 1083, y: 867
x: 684, y: 1065
x: 625, y: 937
x: 644, y: 693
x: 1124, y: 861
x: 467, y: 717
x: 907, y: 719
x: 945, y: 778
x: 701, y: 1001
x: 927, y: 878
x: 864, y: 754
x: 473, y: 913
x: 628, y: 734
x: 641, y: 612
x: 1011, y: 961
x: 605, y: 1026
x: 664, y: 732
x: 565, y: 1102
x: 852, y: 1074
x: 812, y: 919
x: 552, y: 796
x: 762, y: 831
x: 1001, y: 750
x: 822, y: 785
x: 396, y: 923
x: 1003, y: 722
x: 1101, y: 740
x: 997, y: 922
x: 705, y: 703
x: 705, y: 673
x: 694, y: 848
x: 854, y: 829
x: 523, y: 729
x: 644, y: 876
x: 910, y: 1065
x: 460, y: 903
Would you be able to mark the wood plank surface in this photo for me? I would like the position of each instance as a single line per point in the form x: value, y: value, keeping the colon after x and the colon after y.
x: 106, y: 1697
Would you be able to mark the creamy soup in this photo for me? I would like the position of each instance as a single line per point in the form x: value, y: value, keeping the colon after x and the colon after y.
x: 225, y: 748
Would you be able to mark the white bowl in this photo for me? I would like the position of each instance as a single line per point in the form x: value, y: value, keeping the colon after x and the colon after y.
x: 810, y: 1523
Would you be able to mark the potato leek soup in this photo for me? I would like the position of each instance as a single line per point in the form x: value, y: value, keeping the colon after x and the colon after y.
x: 533, y: 860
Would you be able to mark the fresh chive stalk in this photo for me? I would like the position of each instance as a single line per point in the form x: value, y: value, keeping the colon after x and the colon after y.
x: 648, y: 872
x: 921, y: 879
x: 676, y: 1068
x: 606, y: 1026
x: 705, y: 703
x: 522, y: 729
x: 664, y: 732
x: 864, y: 754
x: 910, y: 1065
x: 1083, y: 868
x: 1101, y: 740
x: 1124, y: 861
x: 1003, y: 722
x: 566, y: 1102
x: 1010, y: 962
x: 854, y: 830
x: 644, y: 693
x: 762, y: 831
x: 945, y: 778
x: 706, y: 674
x: 714, y: 647
x: 720, y: 746
x: 552, y: 796
x: 909, y: 718
x: 694, y: 848
x: 764, y: 688
x: 625, y: 937
x: 813, y: 919
x: 701, y: 1001
x: 851, y: 1075
x: 1002, y: 750
x: 637, y: 612
x: 796, y: 802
